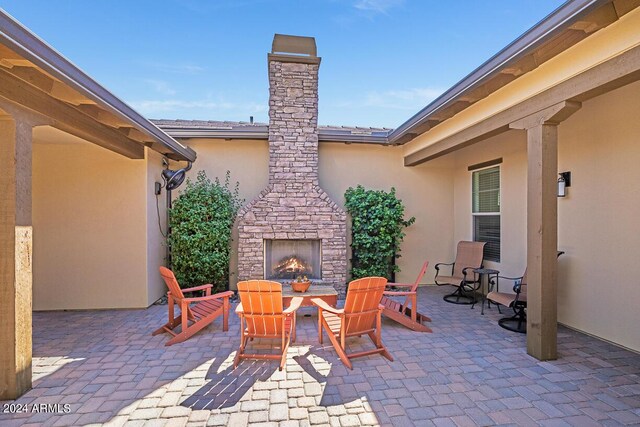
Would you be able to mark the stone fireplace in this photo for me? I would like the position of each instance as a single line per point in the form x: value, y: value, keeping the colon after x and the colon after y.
x: 293, y: 213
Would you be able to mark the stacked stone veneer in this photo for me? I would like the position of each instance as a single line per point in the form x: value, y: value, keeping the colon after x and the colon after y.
x: 293, y: 206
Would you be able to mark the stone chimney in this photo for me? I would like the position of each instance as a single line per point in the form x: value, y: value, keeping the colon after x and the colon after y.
x: 293, y: 110
x: 293, y: 206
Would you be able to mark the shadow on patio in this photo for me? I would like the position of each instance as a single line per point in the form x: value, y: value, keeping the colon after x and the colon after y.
x: 109, y: 368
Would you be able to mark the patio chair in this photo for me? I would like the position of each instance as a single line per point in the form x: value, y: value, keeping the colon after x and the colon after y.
x: 194, y: 317
x: 468, y: 256
x: 262, y: 316
x: 362, y: 314
x: 517, y: 301
x: 406, y: 313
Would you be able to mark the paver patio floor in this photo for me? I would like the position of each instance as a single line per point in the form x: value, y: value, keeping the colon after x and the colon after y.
x: 109, y: 369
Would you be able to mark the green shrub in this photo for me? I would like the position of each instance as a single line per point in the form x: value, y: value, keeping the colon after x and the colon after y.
x: 377, y: 231
x: 201, y: 221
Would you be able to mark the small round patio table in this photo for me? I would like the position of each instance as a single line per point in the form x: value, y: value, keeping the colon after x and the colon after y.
x: 487, y: 273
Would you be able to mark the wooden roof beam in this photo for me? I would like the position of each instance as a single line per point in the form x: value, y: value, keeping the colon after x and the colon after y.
x: 625, y: 6
x: 67, y: 118
x: 599, y: 18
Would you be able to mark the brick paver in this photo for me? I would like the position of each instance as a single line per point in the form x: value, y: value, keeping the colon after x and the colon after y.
x: 109, y: 369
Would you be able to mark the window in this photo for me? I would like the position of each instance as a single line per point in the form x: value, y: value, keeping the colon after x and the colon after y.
x: 486, y: 210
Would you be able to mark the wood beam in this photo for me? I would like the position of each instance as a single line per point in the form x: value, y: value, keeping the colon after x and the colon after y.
x: 15, y: 257
x: 33, y: 76
x: 598, y: 19
x: 625, y: 6
x: 9, y: 54
x: 64, y: 93
x: 66, y: 117
x: 542, y: 241
x: 602, y: 78
x: 542, y: 227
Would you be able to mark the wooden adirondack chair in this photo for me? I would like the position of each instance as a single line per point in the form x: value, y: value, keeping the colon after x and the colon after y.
x: 262, y: 316
x: 203, y: 311
x: 406, y: 313
x: 361, y: 315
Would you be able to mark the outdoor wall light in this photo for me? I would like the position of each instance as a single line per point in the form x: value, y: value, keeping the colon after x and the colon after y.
x: 563, y: 182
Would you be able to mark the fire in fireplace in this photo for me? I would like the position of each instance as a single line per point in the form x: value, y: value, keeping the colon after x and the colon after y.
x: 287, y: 259
x: 292, y: 265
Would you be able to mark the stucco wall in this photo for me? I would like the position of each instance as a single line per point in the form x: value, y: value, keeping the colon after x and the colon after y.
x: 426, y: 190
x: 512, y: 148
x: 90, y: 226
x: 156, y: 248
x: 598, y: 225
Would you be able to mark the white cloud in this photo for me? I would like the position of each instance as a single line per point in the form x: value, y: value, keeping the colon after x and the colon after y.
x: 175, y: 68
x: 377, y: 6
x: 160, y: 86
x: 197, y: 108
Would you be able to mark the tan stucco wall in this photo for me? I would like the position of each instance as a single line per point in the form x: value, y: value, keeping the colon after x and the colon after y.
x: 156, y: 248
x: 426, y: 190
x: 598, y: 222
x: 90, y: 226
x: 598, y: 226
x: 512, y: 148
x: 595, y: 49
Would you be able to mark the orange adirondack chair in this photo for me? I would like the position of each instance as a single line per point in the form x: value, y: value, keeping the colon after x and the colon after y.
x: 261, y: 310
x: 203, y: 311
x: 361, y: 315
x: 406, y: 313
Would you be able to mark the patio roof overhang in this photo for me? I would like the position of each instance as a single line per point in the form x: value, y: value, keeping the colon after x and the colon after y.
x: 563, y: 28
x: 35, y: 77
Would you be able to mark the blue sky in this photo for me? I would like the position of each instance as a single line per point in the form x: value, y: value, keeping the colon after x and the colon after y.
x: 382, y: 60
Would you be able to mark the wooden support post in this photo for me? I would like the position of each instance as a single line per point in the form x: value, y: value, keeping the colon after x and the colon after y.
x: 542, y: 227
x: 542, y: 241
x: 15, y: 257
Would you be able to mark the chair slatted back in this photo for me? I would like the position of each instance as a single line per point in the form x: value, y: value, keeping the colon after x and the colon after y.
x: 423, y: 270
x: 262, y: 307
x: 361, y: 304
x: 468, y: 254
x: 414, y: 288
x: 172, y: 282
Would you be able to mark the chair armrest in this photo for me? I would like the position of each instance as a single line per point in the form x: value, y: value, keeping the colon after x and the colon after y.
x: 198, y: 288
x: 398, y: 293
x: 465, y: 272
x: 296, y: 302
x: 323, y: 305
x: 511, y: 278
x: 437, y: 266
x: 406, y: 285
x: 225, y: 294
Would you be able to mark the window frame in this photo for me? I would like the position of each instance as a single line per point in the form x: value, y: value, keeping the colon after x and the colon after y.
x: 479, y: 214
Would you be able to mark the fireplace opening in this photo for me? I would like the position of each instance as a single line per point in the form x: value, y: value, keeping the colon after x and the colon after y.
x: 287, y: 259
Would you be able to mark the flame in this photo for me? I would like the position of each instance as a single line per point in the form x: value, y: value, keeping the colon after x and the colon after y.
x: 292, y: 265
